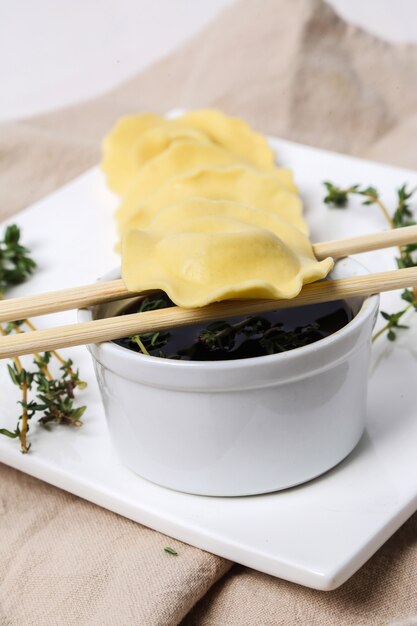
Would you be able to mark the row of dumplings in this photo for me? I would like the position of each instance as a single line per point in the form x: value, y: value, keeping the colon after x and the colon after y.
x: 205, y: 215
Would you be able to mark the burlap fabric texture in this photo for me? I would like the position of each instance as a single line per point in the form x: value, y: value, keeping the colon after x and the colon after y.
x: 293, y: 69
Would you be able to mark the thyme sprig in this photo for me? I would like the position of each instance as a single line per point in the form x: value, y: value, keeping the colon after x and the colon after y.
x: 252, y: 336
x: 272, y: 337
x: 338, y: 197
x: 150, y: 341
x: 223, y: 334
x: 42, y: 394
x: 15, y: 263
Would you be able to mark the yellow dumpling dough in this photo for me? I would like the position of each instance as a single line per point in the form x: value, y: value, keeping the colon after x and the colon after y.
x: 157, y: 139
x: 273, y: 191
x: 232, y: 133
x: 221, y: 252
x: 136, y: 139
x: 117, y: 163
x: 181, y: 156
x: 205, y: 213
x: 194, y: 210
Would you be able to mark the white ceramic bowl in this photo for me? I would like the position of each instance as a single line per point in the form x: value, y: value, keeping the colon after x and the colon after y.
x: 240, y: 427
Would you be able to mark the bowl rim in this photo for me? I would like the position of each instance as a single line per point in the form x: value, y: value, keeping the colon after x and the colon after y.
x: 368, y: 307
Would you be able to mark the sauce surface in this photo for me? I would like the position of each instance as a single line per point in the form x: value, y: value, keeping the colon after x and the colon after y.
x: 239, y: 337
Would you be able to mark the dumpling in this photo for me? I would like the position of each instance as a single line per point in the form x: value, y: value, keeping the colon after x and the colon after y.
x: 232, y: 133
x: 273, y: 191
x: 222, y: 251
x: 158, y: 138
x: 195, y: 210
x: 117, y: 163
x: 136, y: 139
x: 206, y: 215
x: 181, y: 156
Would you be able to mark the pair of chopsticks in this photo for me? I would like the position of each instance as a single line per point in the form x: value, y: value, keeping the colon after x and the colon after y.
x: 107, y: 329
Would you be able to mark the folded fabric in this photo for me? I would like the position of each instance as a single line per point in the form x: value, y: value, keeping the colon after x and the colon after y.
x: 293, y: 69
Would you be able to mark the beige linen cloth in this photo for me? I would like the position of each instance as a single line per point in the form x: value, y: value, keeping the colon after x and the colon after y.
x: 293, y: 69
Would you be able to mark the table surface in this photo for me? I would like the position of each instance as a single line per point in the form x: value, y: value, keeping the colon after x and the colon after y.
x: 54, y: 54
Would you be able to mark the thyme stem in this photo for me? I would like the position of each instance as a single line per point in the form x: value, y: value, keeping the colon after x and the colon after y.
x: 402, y: 216
x: 54, y: 396
x: 55, y: 354
x: 384, y: 212
x: 24, y: 417
x: 44, y: 368
x: 136, y: 339
x: 24, y: 427
x: 389, y: 324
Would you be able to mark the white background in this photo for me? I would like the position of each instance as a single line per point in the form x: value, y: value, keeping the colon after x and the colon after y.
x: 57, y: 52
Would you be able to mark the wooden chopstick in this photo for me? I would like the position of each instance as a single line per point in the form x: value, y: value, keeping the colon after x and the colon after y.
x: 366, y: 243
x: 107, y: 329
x: 97, y: 293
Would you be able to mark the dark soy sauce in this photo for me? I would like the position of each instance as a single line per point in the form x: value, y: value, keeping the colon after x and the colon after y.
x: 240, y: 337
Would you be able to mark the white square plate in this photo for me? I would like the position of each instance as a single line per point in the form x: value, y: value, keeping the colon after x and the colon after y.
x: 317, y: 534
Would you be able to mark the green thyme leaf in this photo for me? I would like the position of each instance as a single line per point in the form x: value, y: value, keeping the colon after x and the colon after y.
x: 402, y: 216
x: 15, y: 263
x: 9, y: 433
